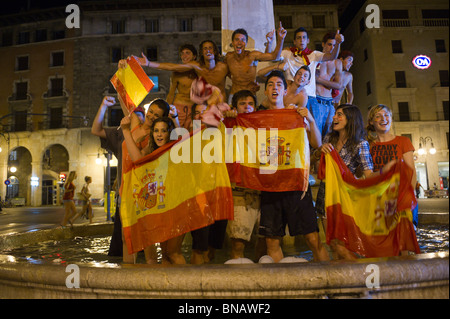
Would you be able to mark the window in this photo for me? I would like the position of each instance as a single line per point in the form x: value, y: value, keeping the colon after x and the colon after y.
x: 435, y: 14
x: 22, y: 63
x: 7, y: 39
x: 56, y: 87
x: 152, y: 25
x: 318, y: 21
x: 24, y: 37
x: 400, y: 79
x: 56, y: 117
x: 41, y: 35
x: 395, y: 14
x: 440, y: 46
x: 443, y: 77
x: 155, y: 80
x: 403, y: 111
x: 152, y: 53
x: 286, y: 21
x: 445, y: 109
x: 21, y: 90
x: 118, y: 27
x: 368, y: 88
x: 217, y: 23
x: 20, y: 121
x: 362, y: 25
x: 366, y: 55
x: 397, y: 46
x: 185, y: 25
x: 116, y: 55
x: 58, y: 34
x: 57, y: 59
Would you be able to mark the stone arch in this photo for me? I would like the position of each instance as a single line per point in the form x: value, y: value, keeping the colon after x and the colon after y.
x: 55, y: 160
x: 19, y: 165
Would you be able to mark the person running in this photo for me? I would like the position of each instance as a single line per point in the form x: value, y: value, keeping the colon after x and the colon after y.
x: 69, y: 204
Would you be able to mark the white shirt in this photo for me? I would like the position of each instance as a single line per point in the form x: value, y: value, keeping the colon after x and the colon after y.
x: 294, y: 63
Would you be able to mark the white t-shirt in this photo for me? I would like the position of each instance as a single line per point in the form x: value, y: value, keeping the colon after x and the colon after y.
x: 294, y: 63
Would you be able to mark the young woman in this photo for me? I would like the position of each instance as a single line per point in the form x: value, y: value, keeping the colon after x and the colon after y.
x: 347, y: 138
x: 69, y: 205
x: 380, y: 138
x: 159, y: 135
x: 85, y: 195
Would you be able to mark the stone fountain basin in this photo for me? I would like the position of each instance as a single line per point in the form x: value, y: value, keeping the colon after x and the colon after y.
x: 418, y: 276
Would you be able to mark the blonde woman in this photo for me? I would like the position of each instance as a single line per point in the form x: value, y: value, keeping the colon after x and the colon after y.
x: 69, y: 205
x: 385, y: 146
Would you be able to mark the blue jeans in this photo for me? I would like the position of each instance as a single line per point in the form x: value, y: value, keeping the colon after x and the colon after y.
x: 322, y: 109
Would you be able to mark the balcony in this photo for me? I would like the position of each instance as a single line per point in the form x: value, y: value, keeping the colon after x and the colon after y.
x: 403, y: 23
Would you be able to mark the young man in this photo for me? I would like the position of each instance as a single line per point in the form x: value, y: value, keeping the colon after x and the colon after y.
x: 242, y: 63
x: 180, y: 86
x: 326, y: 71
x: 296, y: 95
x: 209, y: 67
x: 293, y: 208
x: 246, y: 201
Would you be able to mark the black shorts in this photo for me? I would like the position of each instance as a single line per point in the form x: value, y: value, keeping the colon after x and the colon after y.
x: 279, y: 209
x: 212, y: 235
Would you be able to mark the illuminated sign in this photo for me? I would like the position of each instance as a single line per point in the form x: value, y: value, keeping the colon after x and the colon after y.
x: 421, y: 62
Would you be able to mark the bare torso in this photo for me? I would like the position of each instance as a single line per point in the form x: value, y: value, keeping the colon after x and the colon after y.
x: 182, y: 81
x: 326, y: 71
x: 243, y: 71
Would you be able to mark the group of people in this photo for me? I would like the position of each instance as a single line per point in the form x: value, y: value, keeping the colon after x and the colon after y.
x: 311, y: 82
x: 71, y: 214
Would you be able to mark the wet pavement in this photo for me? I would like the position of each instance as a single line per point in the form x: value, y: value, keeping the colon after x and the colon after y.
x: 24, y: 219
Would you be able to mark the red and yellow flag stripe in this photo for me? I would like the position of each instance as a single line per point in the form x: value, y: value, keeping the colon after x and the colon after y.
x: 132, y: 84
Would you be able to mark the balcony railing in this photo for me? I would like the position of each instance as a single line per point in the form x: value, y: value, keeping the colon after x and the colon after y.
x: 396, y: 23
x: 435, y: 22
x: 401, y: 23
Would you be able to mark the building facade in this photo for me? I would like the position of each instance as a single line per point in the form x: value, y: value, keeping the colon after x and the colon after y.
x: 418, y: 95
x: 56, y: 77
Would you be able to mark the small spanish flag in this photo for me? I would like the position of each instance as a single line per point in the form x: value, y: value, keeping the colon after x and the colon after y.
x: 372, y: 216
x: 132, y: 84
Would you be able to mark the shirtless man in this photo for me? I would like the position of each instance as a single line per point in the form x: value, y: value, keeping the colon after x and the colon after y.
x: 296, y: 95
x: 327, y: 71
x: 180, y: 86
x: 242, y: 63
x: 209, y: 67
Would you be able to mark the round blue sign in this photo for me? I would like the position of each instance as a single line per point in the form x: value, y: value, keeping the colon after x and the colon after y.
x: 421, y: 62
x: 7, y: 182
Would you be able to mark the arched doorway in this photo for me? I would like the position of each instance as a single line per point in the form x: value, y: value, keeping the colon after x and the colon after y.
x: 55, y: 160
x: 19, y: 171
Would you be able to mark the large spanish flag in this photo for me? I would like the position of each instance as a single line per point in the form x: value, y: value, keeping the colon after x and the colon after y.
x: 162, y: 198
x: 132, y: 84
x: 268, y: 150
x: 372, y: 216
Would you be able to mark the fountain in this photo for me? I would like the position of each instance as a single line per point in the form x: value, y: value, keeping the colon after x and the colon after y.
x: 417, y: 276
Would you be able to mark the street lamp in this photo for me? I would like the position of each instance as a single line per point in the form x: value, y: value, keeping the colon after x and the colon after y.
x: 423, y: 140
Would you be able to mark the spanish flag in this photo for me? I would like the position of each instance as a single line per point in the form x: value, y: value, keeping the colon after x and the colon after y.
x: 268, y: 150
x: 164, y: 198
x: 372, y: 216
x: 132, y: 84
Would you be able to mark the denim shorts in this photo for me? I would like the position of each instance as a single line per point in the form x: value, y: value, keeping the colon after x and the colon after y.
x: 322, y: 109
